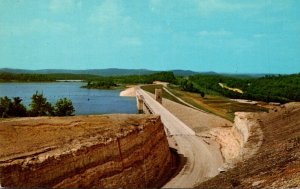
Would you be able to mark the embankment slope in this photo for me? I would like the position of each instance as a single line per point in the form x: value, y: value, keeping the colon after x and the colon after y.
x: 276, y: 163
x: 84, y: 151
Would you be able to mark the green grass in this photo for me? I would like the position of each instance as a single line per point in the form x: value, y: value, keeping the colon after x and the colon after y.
x: 151, y: 89
x: 216, y: 104
x: 188, y: 100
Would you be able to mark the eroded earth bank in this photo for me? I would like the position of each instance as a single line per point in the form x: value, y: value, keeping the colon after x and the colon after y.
x: 269, y: 156
x: 84, y: 151
x: 258, y: 150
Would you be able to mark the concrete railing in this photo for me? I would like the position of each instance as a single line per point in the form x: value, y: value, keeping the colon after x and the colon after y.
x: 173, y: 125
x: 142, y: 104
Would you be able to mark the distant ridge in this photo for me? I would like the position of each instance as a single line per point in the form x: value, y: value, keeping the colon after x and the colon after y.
x: 101, y: 72
x: 184, y: 72
x: 123, y: 72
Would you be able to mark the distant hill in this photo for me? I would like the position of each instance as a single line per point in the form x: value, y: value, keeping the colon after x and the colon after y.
x: 184, y: 72
x: 123, y: 72
x: 101, y: 72
x: 246, y: 75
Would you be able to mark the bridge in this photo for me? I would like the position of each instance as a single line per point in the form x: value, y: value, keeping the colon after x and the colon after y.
x: 202, y: 162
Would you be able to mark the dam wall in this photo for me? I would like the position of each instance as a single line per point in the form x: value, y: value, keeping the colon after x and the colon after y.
x: 135, y: 154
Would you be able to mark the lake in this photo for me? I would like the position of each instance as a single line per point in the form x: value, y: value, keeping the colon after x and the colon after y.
x: 85, y: 101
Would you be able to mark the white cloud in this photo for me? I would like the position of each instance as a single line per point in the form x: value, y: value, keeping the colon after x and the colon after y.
x: 42, y: 26
x: 222, y: 39
x: 171, y: 8
x: 109, y: 17
x: 108, y: 13
x: 131, y: 41
x: 211, y: 6
x: 259, y: 35
x: 219, y: 33
x: 155, y: 5
x: 64, y: 5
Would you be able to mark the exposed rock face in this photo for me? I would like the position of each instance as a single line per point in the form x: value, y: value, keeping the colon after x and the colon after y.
x: 236, y: 142
x: 84, y: 151
x: 248, y: 132
x: 270, y: 151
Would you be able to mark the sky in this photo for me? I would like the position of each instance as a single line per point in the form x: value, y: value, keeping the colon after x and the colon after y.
x: 226, y: 36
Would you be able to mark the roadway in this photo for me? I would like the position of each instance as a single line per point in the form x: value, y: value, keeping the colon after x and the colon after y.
x: 202, y: 160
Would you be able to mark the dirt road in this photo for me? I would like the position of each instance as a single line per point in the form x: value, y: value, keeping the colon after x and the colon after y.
x: 202, y: 160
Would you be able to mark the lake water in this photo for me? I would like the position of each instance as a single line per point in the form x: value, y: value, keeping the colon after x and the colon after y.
x: 85, y: 101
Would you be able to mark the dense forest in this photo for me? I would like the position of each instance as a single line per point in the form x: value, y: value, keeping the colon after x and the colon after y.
x: 12, y: 77
x: 275, y: 88
x: 115, y: 81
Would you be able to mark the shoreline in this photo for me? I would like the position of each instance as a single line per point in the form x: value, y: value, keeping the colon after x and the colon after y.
x: 129, y: 91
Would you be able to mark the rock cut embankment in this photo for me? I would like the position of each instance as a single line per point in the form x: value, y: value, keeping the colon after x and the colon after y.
x: 269, y: 150
x: 84, y: 151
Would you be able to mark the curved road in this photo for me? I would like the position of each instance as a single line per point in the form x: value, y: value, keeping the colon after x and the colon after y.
x: 203, y: 160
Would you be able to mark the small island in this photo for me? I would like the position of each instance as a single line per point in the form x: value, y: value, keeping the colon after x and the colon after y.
x: 120, y: 82
x: 103, y: 84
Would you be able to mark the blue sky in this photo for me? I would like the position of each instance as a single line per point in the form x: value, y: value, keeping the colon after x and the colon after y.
x: 255, y: 36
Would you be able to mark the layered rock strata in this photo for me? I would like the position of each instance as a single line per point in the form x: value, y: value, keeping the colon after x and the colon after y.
x: 84, y: 151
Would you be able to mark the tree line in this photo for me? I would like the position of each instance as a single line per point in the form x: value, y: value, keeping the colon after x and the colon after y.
x: 39, y: 106
x: 270, y: 88
x: 277, y: 88
x: 115, y: 81
x: 11, y: 77
x: 94, y: 81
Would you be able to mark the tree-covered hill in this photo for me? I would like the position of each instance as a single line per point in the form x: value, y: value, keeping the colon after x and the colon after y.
x: 99, y: 72
x: 277, y: 88
x: 111, y: 82
x: 22, y: 77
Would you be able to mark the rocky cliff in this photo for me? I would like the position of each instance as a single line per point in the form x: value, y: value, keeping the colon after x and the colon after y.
x: 84, y: 151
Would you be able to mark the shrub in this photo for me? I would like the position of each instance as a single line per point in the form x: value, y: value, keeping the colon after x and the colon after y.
x: 9, y: 108
x: 40, y: 106
x: 64, y: 107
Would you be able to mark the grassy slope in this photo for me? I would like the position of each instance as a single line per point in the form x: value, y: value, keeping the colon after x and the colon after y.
x: 281, y: 88
x: 217, y: 105
x: 151, y: 89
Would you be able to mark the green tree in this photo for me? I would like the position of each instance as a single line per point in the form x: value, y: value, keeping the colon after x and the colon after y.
x: 17, y: 108
x: 9, y: 108
x: 64, y: 107
x: 5, y: 106
x: 40, y: 106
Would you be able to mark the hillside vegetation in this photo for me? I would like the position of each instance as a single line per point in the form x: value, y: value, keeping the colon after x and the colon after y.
x: 280, y: 88
x: 99, y: 72
x: 25, y: 77
x: 270, y: 88
x: 111, y: 82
